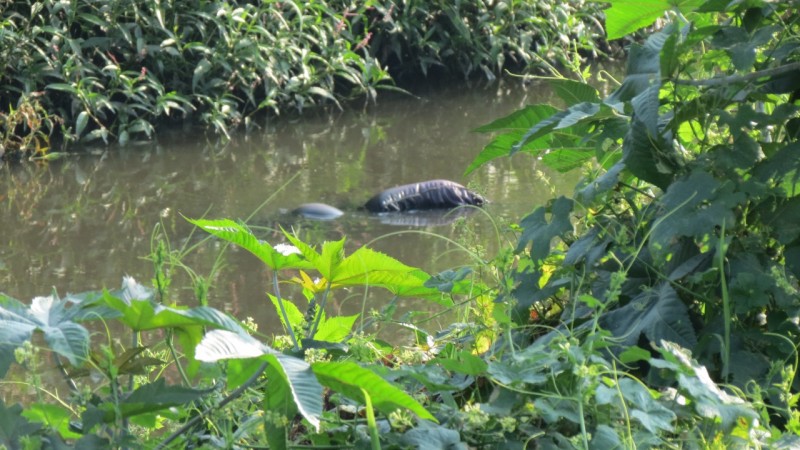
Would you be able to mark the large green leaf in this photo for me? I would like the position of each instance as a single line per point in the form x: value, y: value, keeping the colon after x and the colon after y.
x: 627, y: 16
x: 645, y: 408
x: 335, y: 329
x: 573, y: 92
x: 305, y: 389
x: 515, y: 126
x: 49, y: 315
x: 573, y: 115
x: 659, y: 314
x: 278, y: 400
x: 707, y: 399
x: 276, y: 258
x: 13, y: 425
x: 643, y: 69
x: 694, y: 206
x: 521, y: 119
x: 349, y: 378
x: 538, y: 233
x: 140, y: 312
x: 431, y: 436
x: 148, y: 398
x: 501, y: 146
x: 325, y: 262
x: 649, y: 157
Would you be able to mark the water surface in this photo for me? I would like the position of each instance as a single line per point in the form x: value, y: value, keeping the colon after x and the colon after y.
x: 83, y: 222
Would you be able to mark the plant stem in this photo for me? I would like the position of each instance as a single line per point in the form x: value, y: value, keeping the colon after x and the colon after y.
x: 174, y: 355
x: 283, y: 311
x: 318, y: 316
x: 231, y: 397
x: 731, y: 79
x: 726, y: 305
x: 374, y: 438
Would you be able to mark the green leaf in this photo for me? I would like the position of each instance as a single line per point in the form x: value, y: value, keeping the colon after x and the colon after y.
x: 64, y: 88
x: 573, y: 115
x: 238, y: 371
x: 502, y: 145
x: 433, y: 437
x: 646, y: 409
x: 521, y: 119
x: 295, y: 316
x: 566, y: 159
x: 516, y: 126
x: 148, y: 398
x: 368, y: 267
x: 539, y: 233
x: 643, y: 69
x: 649, y: 157
x: 156, y: 396
x: 707, y: 399
x: 305, y: 389
x: 13, y: 425
x: 573, y: 92
x: 447, y: 280
x: 49, y: 315
x: 278, y: 400
x: 600, y: 185
x: 659, y: 314
x: 80, y: 122
x: 693, y: 207
x: 335, y: 329
x: 627, y: 16
x: 349, y: 378
x: 199, y: 72
x: 287, y: 258
x: 464, y: 362
x: 605, y: 437
x: 144, y: 314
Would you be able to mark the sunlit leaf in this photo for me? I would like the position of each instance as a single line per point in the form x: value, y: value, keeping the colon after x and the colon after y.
x: 627, y: 16
x: 335, y: 329
x: 238, y: 234
x: 293, y: 313
x: 306, y: 390
x: 349, y: 378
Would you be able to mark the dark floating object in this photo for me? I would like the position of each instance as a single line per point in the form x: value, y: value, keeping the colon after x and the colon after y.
x: 433, y: 194
x: 318, y: 211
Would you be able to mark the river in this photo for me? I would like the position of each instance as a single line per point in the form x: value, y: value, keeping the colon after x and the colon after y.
x: 83, y: 222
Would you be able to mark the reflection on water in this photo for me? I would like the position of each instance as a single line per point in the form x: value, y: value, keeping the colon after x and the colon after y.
x: 83, y: 222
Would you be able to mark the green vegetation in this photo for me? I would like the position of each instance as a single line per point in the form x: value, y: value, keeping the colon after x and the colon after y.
x: 115, y: 71
x: 657, y: 308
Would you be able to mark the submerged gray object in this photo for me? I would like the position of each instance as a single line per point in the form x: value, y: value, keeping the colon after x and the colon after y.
x: 432, y: 194
x: 318, y: 211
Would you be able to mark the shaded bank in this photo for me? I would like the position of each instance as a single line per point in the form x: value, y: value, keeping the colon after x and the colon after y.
x: 114, y: 72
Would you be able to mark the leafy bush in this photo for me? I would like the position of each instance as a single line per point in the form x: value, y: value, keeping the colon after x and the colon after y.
x: 684, y: 233
x: 114, y: 71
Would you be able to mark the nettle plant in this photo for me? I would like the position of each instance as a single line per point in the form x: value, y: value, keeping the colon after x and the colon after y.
x: 686, y: 230
x: 130, y: 398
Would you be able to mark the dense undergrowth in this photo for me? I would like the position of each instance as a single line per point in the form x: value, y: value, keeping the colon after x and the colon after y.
x: 114, y: 71
x: 656, y: 308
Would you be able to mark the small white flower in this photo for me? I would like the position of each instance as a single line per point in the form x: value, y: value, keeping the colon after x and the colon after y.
x: 286, y: 249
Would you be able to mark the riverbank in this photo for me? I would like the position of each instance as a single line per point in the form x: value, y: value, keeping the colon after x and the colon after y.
x: 118, y: 72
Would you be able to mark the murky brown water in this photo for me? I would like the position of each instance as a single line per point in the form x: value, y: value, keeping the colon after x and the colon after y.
x: 83, y: 222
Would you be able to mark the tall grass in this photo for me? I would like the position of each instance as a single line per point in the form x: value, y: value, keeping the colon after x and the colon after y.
x: 115, y: 71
